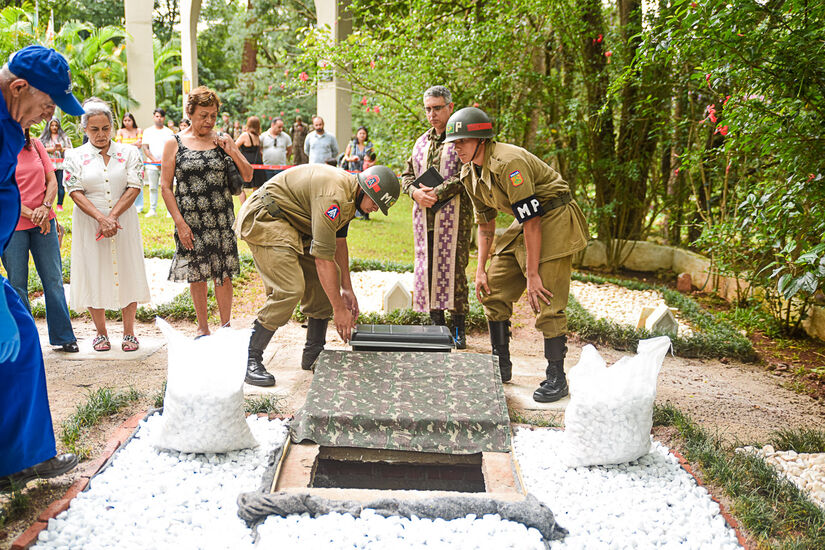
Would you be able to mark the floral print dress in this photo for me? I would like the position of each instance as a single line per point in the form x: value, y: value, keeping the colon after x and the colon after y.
x: 203, y: 198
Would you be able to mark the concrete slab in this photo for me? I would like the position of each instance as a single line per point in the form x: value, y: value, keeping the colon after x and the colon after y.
x: 519, y: 394
x: 148, y: 346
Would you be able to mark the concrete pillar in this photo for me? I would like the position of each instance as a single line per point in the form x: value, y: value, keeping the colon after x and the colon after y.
x: 190, y: 11
x: 334, y: 94
x: 140, y: 60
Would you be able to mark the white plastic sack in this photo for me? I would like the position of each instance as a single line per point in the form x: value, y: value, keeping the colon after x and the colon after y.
x: 610, y: 414
x: 203, y: 410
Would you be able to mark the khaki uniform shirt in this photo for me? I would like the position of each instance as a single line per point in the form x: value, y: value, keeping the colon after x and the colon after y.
x: 511, y: 177
x: 316, y: 202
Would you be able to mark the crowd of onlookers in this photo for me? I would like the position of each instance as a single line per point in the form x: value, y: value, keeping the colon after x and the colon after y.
x: 108, y: 273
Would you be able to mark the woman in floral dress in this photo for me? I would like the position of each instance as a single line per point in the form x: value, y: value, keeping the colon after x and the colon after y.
x: 201, y: 206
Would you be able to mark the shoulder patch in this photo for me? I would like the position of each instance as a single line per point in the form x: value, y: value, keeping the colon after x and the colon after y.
x: 332, y: 212
x: 516, y: 178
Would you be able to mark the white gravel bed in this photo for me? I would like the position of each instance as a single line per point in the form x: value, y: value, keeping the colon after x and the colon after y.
x: 619, y: 304
x: 805, y: 470
x: 162, y: 290
x: 150, y: 499
x: 648, y: 503
x: 369, y: 287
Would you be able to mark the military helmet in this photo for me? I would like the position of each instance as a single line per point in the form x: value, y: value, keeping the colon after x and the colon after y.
x: 381, y: 185
x: 469, y: 122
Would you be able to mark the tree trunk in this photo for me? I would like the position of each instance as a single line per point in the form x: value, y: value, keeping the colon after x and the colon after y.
x: 599, y: 127
x: 675, y: 181
x: 249, y: 61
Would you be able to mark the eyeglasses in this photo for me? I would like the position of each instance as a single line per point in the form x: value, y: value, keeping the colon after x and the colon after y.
x: 434, y: 108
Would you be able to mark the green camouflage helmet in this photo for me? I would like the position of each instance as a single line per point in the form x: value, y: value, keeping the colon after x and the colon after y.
x: 469, y: 122
x: 381, y: 185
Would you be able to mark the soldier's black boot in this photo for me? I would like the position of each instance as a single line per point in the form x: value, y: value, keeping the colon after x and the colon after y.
x: 437, y: 316
x: 500, y: 340
x: 554, y: 386
x: 459, y: 333
x: 255, y: 372
x: 316, y: 338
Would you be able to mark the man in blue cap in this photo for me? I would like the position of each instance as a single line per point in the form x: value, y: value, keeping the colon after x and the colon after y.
x: 32, y: 84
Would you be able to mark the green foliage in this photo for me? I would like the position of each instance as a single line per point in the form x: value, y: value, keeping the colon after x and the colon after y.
x: 16, y: 506
x: 258, y: 404
x: 541, y: 421
x: 800, y: 440
x: 157, y: 400
x: 712, y: 337
x: 100, y: 403
x: 372, y: 264
x: 768, y: 505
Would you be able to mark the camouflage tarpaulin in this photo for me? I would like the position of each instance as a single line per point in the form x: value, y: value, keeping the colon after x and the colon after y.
x: 411, y: 401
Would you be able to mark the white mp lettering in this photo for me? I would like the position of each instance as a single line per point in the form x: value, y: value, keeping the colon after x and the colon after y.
x: 535, y: 203
x: 523, y: 211
x: 458, y: 125
x: 386, y: 197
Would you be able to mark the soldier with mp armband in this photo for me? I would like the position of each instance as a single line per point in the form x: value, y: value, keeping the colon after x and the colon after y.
x: 296, y: 227
x: 535, y: 252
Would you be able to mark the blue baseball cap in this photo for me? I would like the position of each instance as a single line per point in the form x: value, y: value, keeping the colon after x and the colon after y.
x: 48, y: 71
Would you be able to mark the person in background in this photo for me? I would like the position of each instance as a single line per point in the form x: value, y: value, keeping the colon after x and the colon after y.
x: 320, y: 146
x: 33, y: 82
x: 299, y: 135
x: 171, y: 125
x: 536, y: 252
x: 130, y: 134
x: 154, y: 138
x: 36, y: 232
x: 184, y: 124
x: 196, y: 161
x: 56, y: 142
x: 104, y: 178
x: 369, y: 160
x: 249, y: 144
x: 226, y: 125
x: 357, y: 150
x: 277, y: 146
x: 236, y: 130
x: 441, y: 238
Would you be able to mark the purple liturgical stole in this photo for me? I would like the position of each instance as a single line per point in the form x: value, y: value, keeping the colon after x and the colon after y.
x: 439, y: 293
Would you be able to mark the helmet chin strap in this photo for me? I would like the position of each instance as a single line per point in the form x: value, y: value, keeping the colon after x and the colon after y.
x: 359, y: 196
x: 475, y: 151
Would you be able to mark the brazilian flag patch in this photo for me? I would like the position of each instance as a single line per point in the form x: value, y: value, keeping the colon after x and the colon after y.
x: 516, y: 178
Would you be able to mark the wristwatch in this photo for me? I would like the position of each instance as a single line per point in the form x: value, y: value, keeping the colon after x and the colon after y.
x: 48, y: 205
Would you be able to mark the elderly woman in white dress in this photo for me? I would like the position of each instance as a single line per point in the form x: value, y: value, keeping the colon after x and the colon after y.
x: 104, y: 178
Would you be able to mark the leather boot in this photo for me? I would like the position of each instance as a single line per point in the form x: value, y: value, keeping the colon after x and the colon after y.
x: 255, y: 372
x: 437, y: 316
x: 459, y: 333
x: 500, y: 340
x: 554, y: 386
x: 316, y: 338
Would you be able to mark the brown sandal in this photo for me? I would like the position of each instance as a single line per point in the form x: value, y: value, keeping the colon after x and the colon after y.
x: 130, y: 343
x: 101, y: 343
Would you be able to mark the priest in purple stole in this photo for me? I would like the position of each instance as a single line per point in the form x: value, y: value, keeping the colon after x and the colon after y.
x: 441, y: 237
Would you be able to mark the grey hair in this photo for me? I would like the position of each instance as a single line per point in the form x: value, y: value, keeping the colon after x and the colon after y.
x: 6, y: 75
x: 95, y: 106
x: 439, y: 91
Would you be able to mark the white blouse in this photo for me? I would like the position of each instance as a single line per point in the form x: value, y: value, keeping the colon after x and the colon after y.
x: 106, y: 273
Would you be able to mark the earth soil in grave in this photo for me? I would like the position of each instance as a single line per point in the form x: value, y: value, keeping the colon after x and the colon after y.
x: 739, y: 401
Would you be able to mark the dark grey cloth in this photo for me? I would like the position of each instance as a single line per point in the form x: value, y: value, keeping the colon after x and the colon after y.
x: 255, y: 507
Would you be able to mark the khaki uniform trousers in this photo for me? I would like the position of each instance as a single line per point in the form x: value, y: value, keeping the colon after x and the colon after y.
x: 507, y: 279
x: 289, y: 278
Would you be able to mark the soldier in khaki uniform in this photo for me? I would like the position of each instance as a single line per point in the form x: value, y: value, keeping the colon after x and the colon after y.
x: 534, y: 253
x: 296, y: 227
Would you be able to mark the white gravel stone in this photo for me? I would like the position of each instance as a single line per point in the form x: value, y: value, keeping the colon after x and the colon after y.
x: 619, y: 304
x: 150, y: 499
x: 369, y: 287
x: 805, y: 470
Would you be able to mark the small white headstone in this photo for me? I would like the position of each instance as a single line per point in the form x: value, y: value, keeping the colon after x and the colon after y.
x: 396, y: 297
x: 662, y: 321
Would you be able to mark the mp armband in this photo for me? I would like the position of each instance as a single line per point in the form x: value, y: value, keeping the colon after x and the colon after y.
x: 528, y: 208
